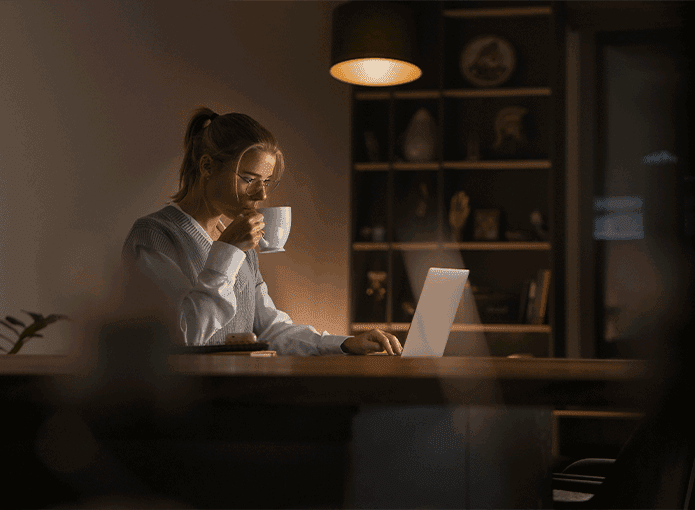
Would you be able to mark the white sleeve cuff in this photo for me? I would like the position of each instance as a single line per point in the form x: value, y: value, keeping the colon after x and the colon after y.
x: 330, y: 344
x: 225, y: 258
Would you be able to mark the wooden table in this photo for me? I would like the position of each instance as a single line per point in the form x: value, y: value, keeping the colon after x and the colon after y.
x: 359, y: 380
x: 357, y: 430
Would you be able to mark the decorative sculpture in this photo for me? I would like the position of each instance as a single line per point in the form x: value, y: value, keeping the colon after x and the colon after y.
x: 510, y: 138
x: 458, y: 214
x: 419, y: 141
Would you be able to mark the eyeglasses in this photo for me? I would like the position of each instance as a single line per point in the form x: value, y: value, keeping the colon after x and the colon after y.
x: 253, y: 186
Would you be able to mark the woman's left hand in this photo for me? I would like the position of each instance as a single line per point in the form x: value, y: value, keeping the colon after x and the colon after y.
x: 373, y: 341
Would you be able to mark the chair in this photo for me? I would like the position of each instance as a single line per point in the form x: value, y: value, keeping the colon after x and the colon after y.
x: 655, y: 468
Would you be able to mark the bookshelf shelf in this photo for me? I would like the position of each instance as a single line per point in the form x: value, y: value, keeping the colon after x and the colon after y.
x: 372, y: 167
x: 458, y: 165
x: 489, y: 328
x: 481, y: 246
x: 515, y: 92
x: 409, y: 215
x: 516, y: 246
x: 454, y: 93
x: 498, y: 165
x: 498, y: 12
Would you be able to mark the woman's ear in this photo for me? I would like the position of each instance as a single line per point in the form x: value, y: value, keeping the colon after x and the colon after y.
x: 205, y: 166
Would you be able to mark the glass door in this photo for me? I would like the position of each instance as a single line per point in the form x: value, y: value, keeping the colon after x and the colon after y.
x: 643, y: 197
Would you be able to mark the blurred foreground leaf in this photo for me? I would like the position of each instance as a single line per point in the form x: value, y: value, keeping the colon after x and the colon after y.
x: 29, y: 332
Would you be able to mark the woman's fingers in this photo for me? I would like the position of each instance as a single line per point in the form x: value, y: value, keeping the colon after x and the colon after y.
x: 398, y: 349
x: 245, y: 231
x: 387, y: 342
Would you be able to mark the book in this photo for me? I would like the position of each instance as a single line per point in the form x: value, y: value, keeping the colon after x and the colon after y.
x: 541, y: 298
x: 531, y: 301
x: 523, y: 302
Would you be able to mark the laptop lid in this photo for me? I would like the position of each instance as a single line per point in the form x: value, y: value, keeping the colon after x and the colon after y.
x: 435, y: 311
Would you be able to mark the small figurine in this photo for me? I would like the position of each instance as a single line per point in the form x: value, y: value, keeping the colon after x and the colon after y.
x: 372, y: 145
x: 458, y: 214
x: 419, y: 138
x: 539, y: 225
x: 510, y: 138
x: 376, y: 284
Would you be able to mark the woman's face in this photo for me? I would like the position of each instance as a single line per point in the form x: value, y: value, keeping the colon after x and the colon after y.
x: 224, y: 186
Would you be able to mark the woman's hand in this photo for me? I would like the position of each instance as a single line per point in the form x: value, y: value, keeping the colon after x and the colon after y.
x: 373, y: 341
x: 245, y: 231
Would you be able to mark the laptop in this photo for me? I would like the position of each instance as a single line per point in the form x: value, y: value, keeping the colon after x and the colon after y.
x: 435, y: 311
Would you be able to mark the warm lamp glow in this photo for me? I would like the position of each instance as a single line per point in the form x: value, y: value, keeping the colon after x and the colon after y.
x: 375, y: 72
x: 373, y: 44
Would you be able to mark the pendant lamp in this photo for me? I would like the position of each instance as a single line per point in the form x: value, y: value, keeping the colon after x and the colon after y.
x: 373, y: 44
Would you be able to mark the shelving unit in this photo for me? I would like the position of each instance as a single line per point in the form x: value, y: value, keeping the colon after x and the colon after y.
x: 400, y: 217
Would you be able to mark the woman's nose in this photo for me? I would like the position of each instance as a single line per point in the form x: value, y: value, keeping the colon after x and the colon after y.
x: 260, y: 194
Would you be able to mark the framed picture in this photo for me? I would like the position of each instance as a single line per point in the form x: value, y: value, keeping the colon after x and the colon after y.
x: 486, y: 225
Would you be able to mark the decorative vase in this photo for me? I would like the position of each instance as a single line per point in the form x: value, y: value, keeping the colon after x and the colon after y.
x: 419, y: 141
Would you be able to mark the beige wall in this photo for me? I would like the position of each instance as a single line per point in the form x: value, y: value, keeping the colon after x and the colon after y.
x: 94, y: 97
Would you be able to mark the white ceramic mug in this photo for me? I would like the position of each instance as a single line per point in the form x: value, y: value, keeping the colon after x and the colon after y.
x: 278, y: 221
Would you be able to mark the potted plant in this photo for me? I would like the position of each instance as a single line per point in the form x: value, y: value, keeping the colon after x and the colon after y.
x: 29, y: 331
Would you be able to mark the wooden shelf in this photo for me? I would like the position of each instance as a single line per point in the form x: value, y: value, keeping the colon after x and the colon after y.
x: 502, y: 92
x: 503, y: 328
x: 455, y: 93
x: 371, y: 167
x: 498, y: 246
x: 417, y: 94
x: 370, y: 246
x: 486, y: 328
x: 498, y: 11
x: 400, y: 94
x: 520, y: 164
x: 414, y: 246
x: 479, y: 246
x: 402, y: 165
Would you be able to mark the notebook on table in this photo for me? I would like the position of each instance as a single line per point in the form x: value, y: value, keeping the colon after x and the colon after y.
x: 435, y: 312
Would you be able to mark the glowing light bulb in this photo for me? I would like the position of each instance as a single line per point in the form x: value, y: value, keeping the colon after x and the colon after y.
x: 375, y: 72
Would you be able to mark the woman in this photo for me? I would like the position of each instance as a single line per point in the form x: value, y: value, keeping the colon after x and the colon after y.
x: 210, y: 273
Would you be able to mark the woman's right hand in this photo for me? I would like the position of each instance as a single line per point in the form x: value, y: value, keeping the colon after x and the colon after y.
x: 245, y: 231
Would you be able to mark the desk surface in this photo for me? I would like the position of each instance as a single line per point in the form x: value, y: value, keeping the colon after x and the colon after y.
x: 358, y: 366
x: 382, y: 367
x: 357, y: 380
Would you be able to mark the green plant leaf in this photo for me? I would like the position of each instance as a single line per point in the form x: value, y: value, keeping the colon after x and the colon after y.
x: 10, y: 327
x: 14, y: 321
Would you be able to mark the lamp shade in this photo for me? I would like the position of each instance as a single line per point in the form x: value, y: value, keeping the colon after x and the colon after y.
x: 373, y: 44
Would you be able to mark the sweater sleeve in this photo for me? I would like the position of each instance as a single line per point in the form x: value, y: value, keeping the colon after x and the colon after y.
x: 201, y: 308
x: 275, y: 326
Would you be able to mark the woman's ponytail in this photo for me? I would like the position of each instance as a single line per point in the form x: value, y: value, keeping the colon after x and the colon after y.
x: 223, y: 137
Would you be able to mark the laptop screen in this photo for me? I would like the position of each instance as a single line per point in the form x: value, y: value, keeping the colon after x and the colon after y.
x: 435, y: 311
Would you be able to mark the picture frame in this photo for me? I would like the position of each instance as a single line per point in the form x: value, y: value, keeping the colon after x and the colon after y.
x: 486, y: 226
